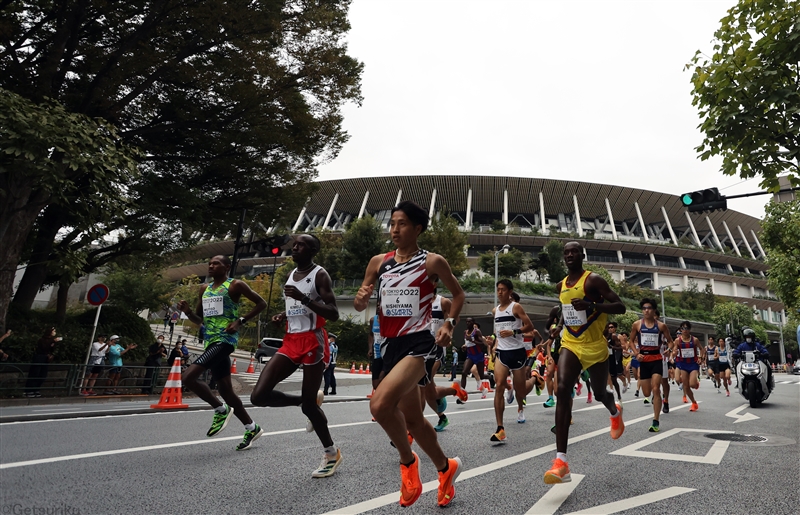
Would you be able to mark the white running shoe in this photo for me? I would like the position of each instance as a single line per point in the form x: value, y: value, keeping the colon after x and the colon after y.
x: 483, y: 393
x: 520, y: 417
x: 509, y: 396
x: 624, y: 388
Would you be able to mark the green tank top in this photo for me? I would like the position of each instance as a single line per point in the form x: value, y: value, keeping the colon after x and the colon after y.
x: 219, y: 310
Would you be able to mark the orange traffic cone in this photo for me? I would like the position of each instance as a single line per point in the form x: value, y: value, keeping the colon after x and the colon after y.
x: 360, y: 369
x: 233, y: 367
x: 353, y: 368
x: 251, y: 368
x: 487, y: 385
x: 171, y: 395
x: 367, y: 370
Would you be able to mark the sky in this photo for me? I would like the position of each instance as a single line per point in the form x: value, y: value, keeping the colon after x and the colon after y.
x: 592, y: 91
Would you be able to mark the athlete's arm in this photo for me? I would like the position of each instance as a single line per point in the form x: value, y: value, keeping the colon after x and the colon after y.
x: 197, y: 316
x: 634, y: 338
x: 437, y: 266
x: 368, y: 285
x: 527, y: 325
x: 236, y: 290
x: 326, y: 306
x: 600, y: 288
x: 371, y: 338
x: 446, y: 306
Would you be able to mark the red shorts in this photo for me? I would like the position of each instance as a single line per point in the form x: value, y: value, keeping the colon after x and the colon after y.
x: 307, y: 348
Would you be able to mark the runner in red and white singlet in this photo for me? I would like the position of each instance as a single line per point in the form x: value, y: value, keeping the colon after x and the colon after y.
x: 404, y: 281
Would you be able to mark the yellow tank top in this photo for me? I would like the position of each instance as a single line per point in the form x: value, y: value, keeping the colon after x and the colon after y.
x: 585, y: 327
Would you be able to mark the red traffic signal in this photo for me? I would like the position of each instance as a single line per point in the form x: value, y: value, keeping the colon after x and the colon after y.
x: 275, y: 250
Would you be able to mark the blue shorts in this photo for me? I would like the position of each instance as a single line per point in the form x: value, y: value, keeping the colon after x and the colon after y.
x: 688, y: 367
x: 476, y: 356
x: 635, y: 363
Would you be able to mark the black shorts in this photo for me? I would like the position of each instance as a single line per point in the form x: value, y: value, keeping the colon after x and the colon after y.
x: 513, y: 359
x: 377, y: 368
x: 529, y: 362
x: 615, y: 367
x: 430, y: 361
x: 217, y: 359
x: 722, y: 367
x: 647, y: 369
x: 417, y: 345
x: 96, y: 369
x: 714, y: 366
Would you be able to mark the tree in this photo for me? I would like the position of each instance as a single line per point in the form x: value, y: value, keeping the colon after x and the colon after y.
x: 730, y: 317
x: 556, y: 269
x: 624, y: 321
x: 780, y: 234
x: 748, y: 94
x: 509, y: 264
x: 602, y: 272
x: 232, y: 104
x: 444, y: 238
x: 362, y: 240
x: 137, y: 289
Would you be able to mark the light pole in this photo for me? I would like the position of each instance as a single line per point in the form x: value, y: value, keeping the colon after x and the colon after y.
x: 496, y: 255
x: 664, y: 306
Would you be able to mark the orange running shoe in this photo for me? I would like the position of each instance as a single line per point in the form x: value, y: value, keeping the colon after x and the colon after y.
x: 410, y: 438
x: 685, y: 400
x: 411, y: 486
x: 460, y: 392
x: 694, y: 407
x: 446, y: 479
x: 559, y: 473
x: 617, y: 425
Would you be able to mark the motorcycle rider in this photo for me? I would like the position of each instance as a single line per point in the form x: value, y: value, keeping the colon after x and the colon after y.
x: 750, y: 344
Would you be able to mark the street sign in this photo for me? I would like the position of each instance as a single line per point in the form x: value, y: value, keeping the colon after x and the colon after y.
x: 174, y: 317
x: 97, y: 294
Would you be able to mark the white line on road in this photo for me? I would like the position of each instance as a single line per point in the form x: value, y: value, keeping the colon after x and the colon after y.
x: 712, y: 457
x: 734, y: 413
x: 552, y: 500
x: 633, y: 502
x: 387, y: 499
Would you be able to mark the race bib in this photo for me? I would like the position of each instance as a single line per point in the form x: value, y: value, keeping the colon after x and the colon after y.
x: 723, y: 359
x: 400, y: 302
x: 687, y: 353
x: 649, y: 340
x: 212, y: 306
x: 573, y: 317
x: 503, y: 326
x: 295, y: 309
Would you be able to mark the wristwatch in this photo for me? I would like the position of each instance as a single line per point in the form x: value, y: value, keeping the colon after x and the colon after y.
x: 306, y: 300
x: 242, y: 320
x: 452, y: 322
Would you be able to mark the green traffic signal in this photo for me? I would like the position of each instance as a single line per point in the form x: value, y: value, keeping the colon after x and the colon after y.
x: 687, y: 199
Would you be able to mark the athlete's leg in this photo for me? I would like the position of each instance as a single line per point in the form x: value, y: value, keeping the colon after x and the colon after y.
x: 598, y: 374
x: 655, y: 383
x: 417, y: 425
x: 520, y: 387
x: 500, y: 375
x: 726, y: 379
x: 481, y: 371
x: 466, y: 371
x: 429, y: 390
x: 685, y: 379
x: 200, y: 388
x: 570, y: 368
x: 312, y: 377
x: 225, y: 390
x: 278, y: 368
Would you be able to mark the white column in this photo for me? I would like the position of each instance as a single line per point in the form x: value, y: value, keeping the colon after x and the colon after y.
x: 505, y: 209
x: 611, y: 219
x: 714, y: 233
x: 641, y: 221
x: 302, y: 214
x: 656, y: 282
x: 685, y: 282
x: 363, y: 205
x: 730, y: 237
x: 708, y: 266
x: 682, y: 262
x: 468, y: 218
x: 399, y: 196
x: 620, y: 259
x: 713, y: 286
x: 578, y: 223
x: 669, y: 226
x: 653, y: 259
x: 541, y: 211
x: 769, y: 315
x: 330, y: 211
x: 746, y: 243
x: 432, y: 209
x: 752, y: 291
x: 758, y: 244
x: 621, y: 274
x: 735, y: 289
x: 694, y: 232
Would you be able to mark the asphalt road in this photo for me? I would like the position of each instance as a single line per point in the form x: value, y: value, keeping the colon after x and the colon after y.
x: 162, y: 462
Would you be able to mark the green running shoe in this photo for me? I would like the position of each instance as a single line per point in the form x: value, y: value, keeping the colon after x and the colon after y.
x: 654, y: 427
x: 249, y: 438
x: 220, y: 421
x: 549, y: 403
x: 443, y: 423
x: 441, y: 405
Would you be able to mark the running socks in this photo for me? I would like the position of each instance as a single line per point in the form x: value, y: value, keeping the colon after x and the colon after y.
x: 615, y: 415
x: 409, y: 463
x: 561, y: 456
x: 249, y: 427
x: 331, y: 451
x: 221, y: 409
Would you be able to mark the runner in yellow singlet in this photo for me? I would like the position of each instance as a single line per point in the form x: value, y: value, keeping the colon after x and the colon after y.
x: 586, y: 300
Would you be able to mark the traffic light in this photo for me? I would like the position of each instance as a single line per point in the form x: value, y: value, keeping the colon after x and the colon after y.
x: 274, y: 250
x: 704, y: 200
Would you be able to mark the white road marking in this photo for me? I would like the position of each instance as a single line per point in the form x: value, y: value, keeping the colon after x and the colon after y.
x: 387, y: 499
x: 712, y: 457
x: 633, y: 502
x: 741, y: 418
x: 552, y: 500
x: 65, y: 410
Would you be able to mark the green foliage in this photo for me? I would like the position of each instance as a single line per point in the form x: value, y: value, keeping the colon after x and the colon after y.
x: 555, y: 267
x: 735, y: 316
x: 780, y: 234
x: 497, y: 226
x: 625, y: 321
x: 602, y: 272
x: 352, y: 339
x: 748, y: 94
x: 693, y: 299
x: 362, y: 240
x: 630, y: 291
x: 509, y: 264
x: 444, y: 238
x: 136, y: 290
x: 330, y: 253
x: 28, y: 326
x: 473, y: 283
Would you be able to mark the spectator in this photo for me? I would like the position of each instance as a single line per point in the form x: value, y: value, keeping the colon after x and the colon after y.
x: 115, y: 353
x: 166, y: 318
x: 455, y: 365
x: 175, y: 353
x: 156, y: 352
x: 96, y: 360
x: 44, y: 355
x: 330, y: 379
x: 185, y: 352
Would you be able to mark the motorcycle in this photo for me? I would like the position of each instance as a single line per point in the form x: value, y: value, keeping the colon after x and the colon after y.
x: 752, y: 376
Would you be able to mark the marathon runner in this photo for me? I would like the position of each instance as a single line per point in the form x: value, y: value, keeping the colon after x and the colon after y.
x: 688, y: 353
x: 646, y: 335
x: 724, y: 375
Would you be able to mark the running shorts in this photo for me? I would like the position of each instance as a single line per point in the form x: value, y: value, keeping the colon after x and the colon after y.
x: 512, y: 359
x: 647, y: 369
x: 626, y: 361
x: 416, y: 345
x: 714, y: 366
x: 216, y: 358
x: 724, y: 366
x: 529, y: 361
x: 476, y: 355
x: 634, y: 363
x: 614, y: 367
x: 687, y: 366
x: 588, y: 353
x: 377, y: 368
x: 306, y: 348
